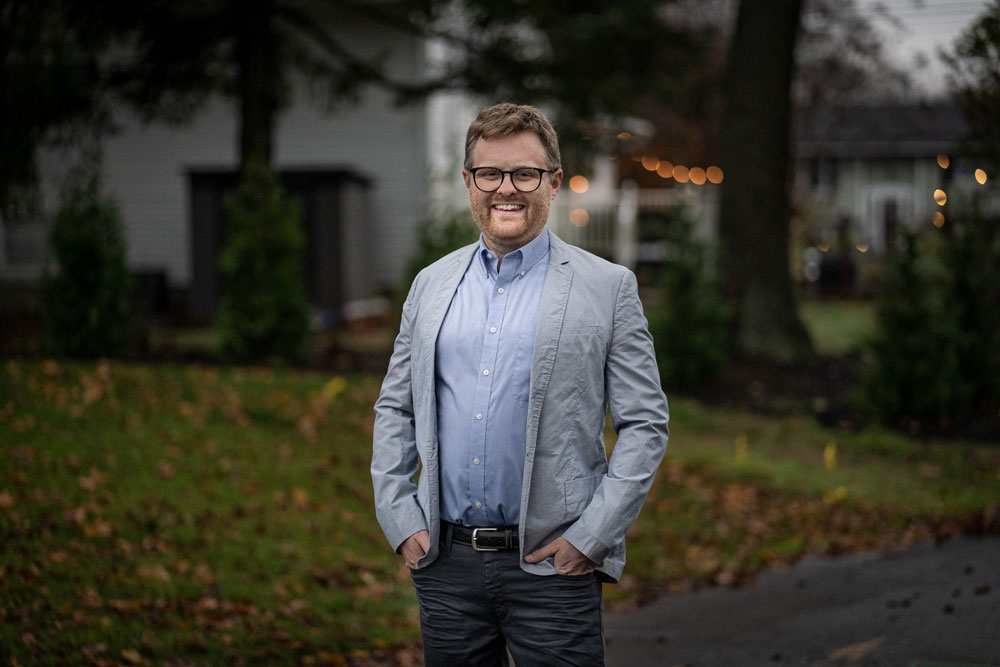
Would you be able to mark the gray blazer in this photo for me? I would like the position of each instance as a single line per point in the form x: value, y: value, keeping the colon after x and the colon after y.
x: 592, y: 350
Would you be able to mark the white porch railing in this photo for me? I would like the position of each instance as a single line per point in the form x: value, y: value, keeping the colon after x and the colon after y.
x: 607, y: 223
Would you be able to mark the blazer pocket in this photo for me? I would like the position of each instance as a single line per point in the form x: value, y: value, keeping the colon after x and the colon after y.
x: 587, y: 342
x: 589, y: 330
x: 580, y: 367
x: 579, y: 492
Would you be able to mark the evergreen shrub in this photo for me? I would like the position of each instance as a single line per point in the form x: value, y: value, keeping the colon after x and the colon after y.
x: 86, y: 290
x: 264, y: 311
x: 691, y: 322
x: 971, y: 259
x: 934, y: 358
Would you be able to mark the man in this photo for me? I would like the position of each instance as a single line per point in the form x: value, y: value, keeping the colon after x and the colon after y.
x: 509, y: 354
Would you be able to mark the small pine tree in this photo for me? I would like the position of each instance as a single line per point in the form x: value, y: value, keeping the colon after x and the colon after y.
x: 264, y: 312
x: 928, y: 341
x: 87, y: 290
x: 691, y: 325
x: 971, y: 261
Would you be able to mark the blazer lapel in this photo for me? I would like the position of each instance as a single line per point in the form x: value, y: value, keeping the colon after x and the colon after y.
x: 437, y: 299
x: 551, y: 311
x: 442, y: 292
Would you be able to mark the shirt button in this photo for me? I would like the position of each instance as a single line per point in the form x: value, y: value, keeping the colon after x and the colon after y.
x: 493, y: 329
x: 500, y: 290
x: 478, y: 504
x: 522, y: 273
x: 476, y: 461
x: 486, y: 372
x: 479, y: 416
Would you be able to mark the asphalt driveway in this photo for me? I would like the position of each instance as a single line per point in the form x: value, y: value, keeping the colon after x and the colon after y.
x: 926, y: 606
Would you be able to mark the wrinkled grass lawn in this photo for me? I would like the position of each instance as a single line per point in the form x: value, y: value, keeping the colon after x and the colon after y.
x: 197, y: 515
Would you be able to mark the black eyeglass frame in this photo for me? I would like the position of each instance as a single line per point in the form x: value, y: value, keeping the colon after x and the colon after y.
x: 504, y: 173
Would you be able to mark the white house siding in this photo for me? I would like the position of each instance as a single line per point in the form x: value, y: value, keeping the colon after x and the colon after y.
x: 145, y: 171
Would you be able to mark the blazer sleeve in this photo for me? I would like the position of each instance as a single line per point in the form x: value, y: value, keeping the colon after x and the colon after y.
x: 639, y: 414
x: 394, y: 448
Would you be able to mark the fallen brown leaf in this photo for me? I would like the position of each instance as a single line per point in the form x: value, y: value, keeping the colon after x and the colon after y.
x: 132, y: 656
x: 857, y: 651
x: 123, y: 604
x: 93, y: 480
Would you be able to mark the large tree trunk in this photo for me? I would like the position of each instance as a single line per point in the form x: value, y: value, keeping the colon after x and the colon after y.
x: 754, y: 224
x: 260, y: 79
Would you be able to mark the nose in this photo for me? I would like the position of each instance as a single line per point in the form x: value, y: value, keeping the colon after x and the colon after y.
x: 507, y: 185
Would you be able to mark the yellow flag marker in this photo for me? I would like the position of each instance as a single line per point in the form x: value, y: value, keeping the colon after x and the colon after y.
x: 830, y: 455
x: 741, y: 446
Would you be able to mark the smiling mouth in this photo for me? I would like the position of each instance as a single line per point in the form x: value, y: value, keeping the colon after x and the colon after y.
x: 508, y: 208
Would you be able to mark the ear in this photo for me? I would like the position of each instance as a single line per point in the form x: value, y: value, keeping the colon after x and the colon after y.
x: 557, y: 178
x: 467, y: 177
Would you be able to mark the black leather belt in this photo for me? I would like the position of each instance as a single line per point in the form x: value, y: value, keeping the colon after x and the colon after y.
x: 502, y: 538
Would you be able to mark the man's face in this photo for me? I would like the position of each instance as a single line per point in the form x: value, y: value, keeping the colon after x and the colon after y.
x: 509, y: 218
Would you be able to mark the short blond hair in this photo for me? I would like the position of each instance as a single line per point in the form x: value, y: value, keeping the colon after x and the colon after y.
x: 507, y: 119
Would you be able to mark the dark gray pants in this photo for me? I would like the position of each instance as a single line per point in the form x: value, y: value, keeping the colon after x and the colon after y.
x: 474, y: 606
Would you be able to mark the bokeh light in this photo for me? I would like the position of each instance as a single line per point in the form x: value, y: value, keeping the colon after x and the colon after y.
x: 666, y: 169
x: 579, y: 184
x: 624, y: 136
x: 579, y: 217
x: 939, y: 219
x: 714, y: 175
x: 980, y: 177
x: 681, y: 173
x: 651, y: 163
x: 943, y: 161
x: 940, y: 197
x: 697, y: 175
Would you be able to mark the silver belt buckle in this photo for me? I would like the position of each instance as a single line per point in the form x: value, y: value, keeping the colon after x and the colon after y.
x: 475, y: 537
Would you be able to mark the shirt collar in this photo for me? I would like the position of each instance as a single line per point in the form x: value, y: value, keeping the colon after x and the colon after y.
x: 527, y: 256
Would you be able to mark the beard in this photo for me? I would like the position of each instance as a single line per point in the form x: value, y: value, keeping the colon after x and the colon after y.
x: 509, y: 235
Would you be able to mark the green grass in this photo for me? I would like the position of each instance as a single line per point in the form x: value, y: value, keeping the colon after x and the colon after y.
x: 190, y: 512
x: 186, y: 514
x: 837, y: 327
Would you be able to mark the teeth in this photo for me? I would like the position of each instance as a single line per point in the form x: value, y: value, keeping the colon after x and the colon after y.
x: 508, y: 207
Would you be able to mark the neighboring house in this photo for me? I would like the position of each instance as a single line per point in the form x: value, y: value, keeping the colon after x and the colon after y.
x: 863, y: 172
x: 363, y: 171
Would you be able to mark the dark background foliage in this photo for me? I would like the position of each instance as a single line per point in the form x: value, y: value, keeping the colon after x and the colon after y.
x: 87, y: 290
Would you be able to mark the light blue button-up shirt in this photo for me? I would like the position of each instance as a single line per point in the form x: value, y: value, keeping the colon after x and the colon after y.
x: 483, y: 372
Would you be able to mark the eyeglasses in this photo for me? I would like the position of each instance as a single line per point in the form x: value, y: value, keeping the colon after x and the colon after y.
x: 525, y: 179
